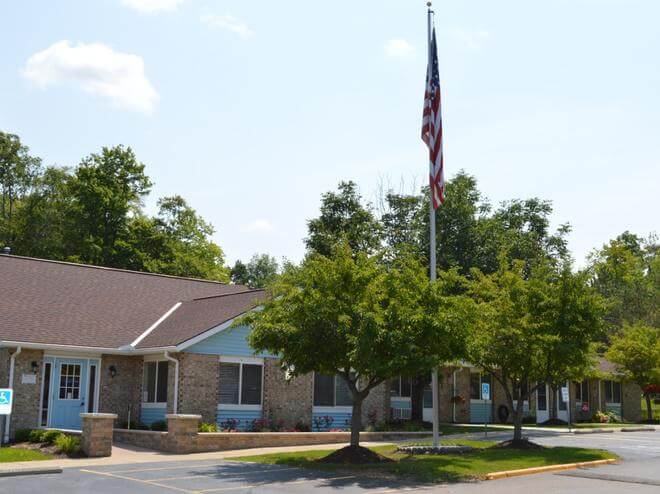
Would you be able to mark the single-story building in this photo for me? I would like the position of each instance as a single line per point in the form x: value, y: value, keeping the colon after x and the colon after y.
x: 77, y: 338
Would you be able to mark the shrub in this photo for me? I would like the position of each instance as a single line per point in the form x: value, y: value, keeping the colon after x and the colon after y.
x: 37, y: 436
x: 67, y: 444
x: 159, y: 425
x: 301, y: 427
x: 22, y: 435
x: 229, y: 425
x: 205, y: 427
x: 372, y: 417
x: 51, y: 436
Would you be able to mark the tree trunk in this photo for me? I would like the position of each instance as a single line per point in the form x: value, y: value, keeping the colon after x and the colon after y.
x: 417, y: 397
x: 552, y: 402
x: 517, y: 419
x: 356, y: 421
x: 649, y: 408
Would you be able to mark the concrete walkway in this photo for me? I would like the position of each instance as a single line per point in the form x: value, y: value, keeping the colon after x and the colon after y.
x: 126, y: 454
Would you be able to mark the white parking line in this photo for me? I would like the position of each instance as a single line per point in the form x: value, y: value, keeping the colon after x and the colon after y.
x: 235, y: 488
x: 121, y: 477
x: 230, y: 475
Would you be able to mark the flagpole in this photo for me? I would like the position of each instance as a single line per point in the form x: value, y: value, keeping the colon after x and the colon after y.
x: 432, y: 253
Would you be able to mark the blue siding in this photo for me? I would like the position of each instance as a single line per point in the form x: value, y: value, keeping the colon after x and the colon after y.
x: 231, y: 341
x: 243, y: 417
x: 340, y: 420
x: 480, y: 413
x: 611, y: 407
x: 399, y: 403
x: 150, y: 415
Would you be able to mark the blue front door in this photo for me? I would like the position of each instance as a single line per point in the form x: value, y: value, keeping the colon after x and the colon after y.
x: 68, y: 390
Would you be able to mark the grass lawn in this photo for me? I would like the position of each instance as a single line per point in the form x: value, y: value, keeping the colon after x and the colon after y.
x: 16, y: 454
x: 655, y: 409
x: 442, y: 468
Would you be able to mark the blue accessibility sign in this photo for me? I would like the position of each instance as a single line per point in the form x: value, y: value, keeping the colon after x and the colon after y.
x: 485, y: 391
x: 6, y: 398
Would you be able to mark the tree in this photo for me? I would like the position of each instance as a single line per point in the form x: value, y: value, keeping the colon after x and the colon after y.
x: 18, y: 171
x: 534, y: 328
x: 626, y: 271
x: 374, y: 323
x: 344, y: 217
x: 635, y: 351
x: 259, y: 272
x: 107, y: 188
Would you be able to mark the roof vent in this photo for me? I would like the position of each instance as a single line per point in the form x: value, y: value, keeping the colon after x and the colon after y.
x: 6, y: 250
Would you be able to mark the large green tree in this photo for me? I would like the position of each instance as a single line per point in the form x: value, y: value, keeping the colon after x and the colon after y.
x: 535, y: 327
x: 635, y: 351
x: 260, y: 271
x: 374, y: 322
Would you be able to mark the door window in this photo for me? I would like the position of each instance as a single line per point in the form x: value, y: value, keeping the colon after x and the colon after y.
x: 541, y: 398
x: 70, y: 382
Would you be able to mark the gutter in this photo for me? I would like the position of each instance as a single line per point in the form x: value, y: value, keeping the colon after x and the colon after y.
x: 12, y: 362
x: 175, y: 401
x: 87, y: 349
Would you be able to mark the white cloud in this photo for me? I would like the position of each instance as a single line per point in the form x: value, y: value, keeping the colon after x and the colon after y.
x: 97, y: 69
x: 228, y: 22
x: 398, y: 48
x: 472, y: 39
x: 259, y: 225
x: 152, y: 6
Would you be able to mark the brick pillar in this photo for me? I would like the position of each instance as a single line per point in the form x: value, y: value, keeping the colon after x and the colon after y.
x: 182, y: 432
x: 97, y: 433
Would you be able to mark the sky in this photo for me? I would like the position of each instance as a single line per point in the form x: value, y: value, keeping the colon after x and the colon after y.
x: 251, y: 110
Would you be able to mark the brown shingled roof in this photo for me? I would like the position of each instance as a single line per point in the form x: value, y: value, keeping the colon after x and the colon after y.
x: 197, y: 316
x: 76, y: 304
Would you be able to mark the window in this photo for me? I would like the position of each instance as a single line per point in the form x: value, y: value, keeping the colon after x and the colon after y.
x: 561, y: 404
x: 331, y: 391
x: 401, y: 387
x: 541, y: 397
x: 240, y: 384
x: 612, y: 391
x: 476, y: 380
x: 521, y: 388
x: 70, y: 382
x: 45, y: 395
x: 582, y: 391
x: 154, y: 386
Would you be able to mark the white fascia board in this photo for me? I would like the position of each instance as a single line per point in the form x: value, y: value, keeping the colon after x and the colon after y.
x: 85, y: 349
x: 155, y: 325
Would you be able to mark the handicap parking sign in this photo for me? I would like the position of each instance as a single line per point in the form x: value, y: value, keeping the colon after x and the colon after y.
x: 6, y: 396
x: 485, y: 391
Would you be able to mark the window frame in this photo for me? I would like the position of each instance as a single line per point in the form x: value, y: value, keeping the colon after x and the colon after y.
x: 334, y: 407
x: 242, y: 361
x: 609, y: 383
x: 399, y: 396
x: 580, y: 385
x: 66, y: 387
x: 481, y: 381
x: 155, y: 403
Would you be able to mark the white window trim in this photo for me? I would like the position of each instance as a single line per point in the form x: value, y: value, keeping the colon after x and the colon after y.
x: 479, y: 400
x: 80, y: 384
x: 157, y: 404
x: 611, y: 382
x: 249, y: 361
x: 399, y: 397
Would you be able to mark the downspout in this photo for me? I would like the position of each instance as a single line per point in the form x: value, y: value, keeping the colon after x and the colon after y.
x: 175, y: 402
x: 453, y: 412
x: 12, y: 361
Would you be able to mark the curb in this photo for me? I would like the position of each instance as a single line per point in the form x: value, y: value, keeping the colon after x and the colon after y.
x: 549, y: 468
x: 638, y: 429
x: 16, y: 472
x: 593, y: 431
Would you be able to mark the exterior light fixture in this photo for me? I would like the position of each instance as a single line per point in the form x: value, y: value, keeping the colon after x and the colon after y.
x: 113, y: 370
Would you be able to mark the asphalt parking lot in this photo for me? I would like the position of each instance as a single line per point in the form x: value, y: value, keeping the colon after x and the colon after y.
x: 639, y: 471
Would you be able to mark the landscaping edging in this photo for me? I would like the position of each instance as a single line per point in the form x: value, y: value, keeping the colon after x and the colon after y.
x: 16, y: 472
x: 549, y: 468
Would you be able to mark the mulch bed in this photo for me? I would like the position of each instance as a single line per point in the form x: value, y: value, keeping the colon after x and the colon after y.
x: 354, y: 455
x: 523, y: 445
x: 49, y: 450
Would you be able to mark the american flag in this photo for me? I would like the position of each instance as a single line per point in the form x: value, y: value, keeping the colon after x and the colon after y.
x: 432, y: 127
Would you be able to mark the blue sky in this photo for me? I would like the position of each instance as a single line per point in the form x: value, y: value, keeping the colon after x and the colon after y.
x: 250, y: 110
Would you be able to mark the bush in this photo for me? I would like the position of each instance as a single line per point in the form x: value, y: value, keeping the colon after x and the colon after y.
x: 301, y: 427
x: 159, y: 425
x: 205, y: 427
x: 22, y: 435
x: 51, y: 436
x: 67, y: 444
x: 37, y: 436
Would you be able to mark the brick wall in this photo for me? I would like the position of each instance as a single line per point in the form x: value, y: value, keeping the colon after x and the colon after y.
x: 118, y: 394
x: 377, y: 401
x: 199, y: 385
x: 25, y: 413
x: 463, y: 388
x: 288, y: 401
